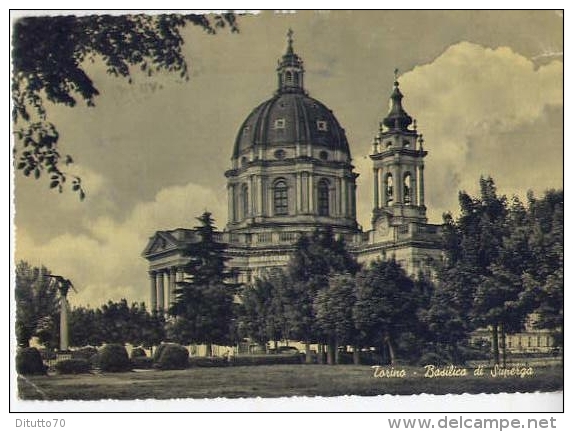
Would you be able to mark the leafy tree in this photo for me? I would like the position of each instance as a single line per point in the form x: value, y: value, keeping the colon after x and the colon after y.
x: 84, y: 327
x: 37, y: 306
x: 545, y: 278
x: 315, y: 259
x: 473, y: 243
x: 262, y: 309
x: 333, y: 309
x: 49, y: 64
x: 204, y: 302
x: 386, y: 305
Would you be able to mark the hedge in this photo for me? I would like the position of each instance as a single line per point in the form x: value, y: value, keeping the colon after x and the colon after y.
x: 73, y: 366
x: 142, y: 362
x: 84, y: 353
x: 272, y: 359
x: 208, y: 361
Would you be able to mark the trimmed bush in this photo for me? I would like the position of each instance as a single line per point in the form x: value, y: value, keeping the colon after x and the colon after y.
x: 272, y: 359
x: 208, y: 361
x: 173, y: 356
x: 73, y: 366
x: 84, y: 353
x: 29, y: 362
x: 138, y: 352
x: 113, y: 358
x: 142, y: 362
x: 159, y: 351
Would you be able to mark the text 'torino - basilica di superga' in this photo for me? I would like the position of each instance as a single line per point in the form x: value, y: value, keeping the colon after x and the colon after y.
x: 291, y: 173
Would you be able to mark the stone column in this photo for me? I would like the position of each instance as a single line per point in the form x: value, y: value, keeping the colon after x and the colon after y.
x: 299, y: 205
x: 153, y: 291
x: 160, y: 292
x: 310, y: 193
x: 252, y: 202
x: 230, y: 211
x: 170, y: 287
x: 63, y: 324
x: 338, y: 196
x: 376, y: 193
x: 398, y: 186
x: 421, y: 185
x: 344, y: 198
x: 413, y: 188
x: 260, y: 196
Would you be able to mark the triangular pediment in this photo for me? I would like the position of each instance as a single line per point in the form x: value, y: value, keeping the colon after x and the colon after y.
x: 158, y: 243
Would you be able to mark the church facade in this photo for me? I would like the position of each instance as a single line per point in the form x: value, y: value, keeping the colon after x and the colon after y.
x: 291, y: 173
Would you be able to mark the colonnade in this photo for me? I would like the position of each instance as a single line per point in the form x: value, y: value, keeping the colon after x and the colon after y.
x: 162, y: 284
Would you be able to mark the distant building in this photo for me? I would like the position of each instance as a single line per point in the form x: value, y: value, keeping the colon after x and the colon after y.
x: 291, y: 173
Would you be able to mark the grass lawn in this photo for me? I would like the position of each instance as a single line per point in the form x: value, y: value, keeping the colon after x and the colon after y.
x: 273, y: 381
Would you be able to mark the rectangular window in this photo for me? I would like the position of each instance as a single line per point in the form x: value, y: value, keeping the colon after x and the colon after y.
x: 321, y: 125
x: 280, y: 123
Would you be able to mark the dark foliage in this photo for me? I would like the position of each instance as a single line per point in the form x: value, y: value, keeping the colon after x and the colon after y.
x: 173, y: 356
x: 73, y: 366
x: 37, y: 306
x: 113, y: 358
x: 142, y: 362
x: 208, y: 362
x: 274, y: 359
x: 204, y: 303
x: 138, y: 352
x: 84, y: 353
x: 49, y: 63
x: 29, y: 362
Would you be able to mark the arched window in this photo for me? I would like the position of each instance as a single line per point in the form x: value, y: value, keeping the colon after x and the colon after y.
x: 280, y: 198
x: 288, y: 78
x: 295, y: 76
x: 323, y: 201
x: 407, y: 189
x: 245, y: 200
x: 389, y: 190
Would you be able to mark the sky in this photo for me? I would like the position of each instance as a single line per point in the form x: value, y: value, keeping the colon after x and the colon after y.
x: 486, y: 89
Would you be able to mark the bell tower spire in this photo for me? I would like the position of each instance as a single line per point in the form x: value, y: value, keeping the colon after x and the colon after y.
x: 290, y: 69
x: 398, y: 165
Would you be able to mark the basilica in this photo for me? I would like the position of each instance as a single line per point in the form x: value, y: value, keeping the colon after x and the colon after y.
x: 291, y: 173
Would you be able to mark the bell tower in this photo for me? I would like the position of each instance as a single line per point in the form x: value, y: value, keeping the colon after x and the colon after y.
x: 398, y: 163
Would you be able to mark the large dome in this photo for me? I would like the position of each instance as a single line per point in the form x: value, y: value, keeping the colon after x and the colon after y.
x: 289, y: 118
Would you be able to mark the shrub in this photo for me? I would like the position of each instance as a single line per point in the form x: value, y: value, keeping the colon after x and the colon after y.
x: 159, y: 351
x: 84, y: 353
x: 142, y: 362
x: 173, y: 356
x: 29, y: 362
x: 138, y: 352
x: 113, y: 358
x: 73, y: 366
x: 208, y: 361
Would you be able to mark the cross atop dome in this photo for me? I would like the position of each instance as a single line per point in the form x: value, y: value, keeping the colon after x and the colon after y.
x: 290, y: 40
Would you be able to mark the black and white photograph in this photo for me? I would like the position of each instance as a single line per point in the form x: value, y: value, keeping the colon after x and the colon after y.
x: 285, y: 204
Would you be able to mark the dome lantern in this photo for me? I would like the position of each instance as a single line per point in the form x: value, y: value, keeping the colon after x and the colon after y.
x: 397, y: 118
x: 290, y: 70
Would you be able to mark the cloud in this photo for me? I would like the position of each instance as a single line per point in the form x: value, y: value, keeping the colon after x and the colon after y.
x: 485, y: 111
x: 105, y: 261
